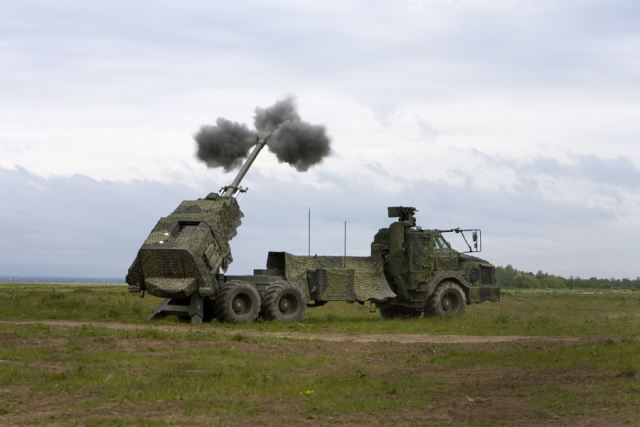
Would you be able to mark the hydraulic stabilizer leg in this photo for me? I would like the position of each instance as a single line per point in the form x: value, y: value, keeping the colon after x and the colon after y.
x: 192, y: 308
x: 196, y: 312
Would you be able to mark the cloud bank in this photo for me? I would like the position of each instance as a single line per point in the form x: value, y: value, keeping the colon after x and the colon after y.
x: 516, y: 116
x: 78, y: 226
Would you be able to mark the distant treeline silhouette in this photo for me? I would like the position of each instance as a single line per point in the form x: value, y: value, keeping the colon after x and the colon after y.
x: 509, y: 277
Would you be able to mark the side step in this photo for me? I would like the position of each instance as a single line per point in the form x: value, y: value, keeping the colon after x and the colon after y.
x: 191, y: 308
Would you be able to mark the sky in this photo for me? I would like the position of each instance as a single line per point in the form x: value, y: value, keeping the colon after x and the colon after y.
x: 521, y: 118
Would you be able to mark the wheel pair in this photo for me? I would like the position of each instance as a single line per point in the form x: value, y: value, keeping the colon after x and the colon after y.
x: 239, y: 302
x: 447, y: 300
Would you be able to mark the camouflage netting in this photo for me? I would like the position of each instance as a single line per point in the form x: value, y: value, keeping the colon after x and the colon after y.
x: 192, y: 242
x: 222, y: 214
x: 171, y: 288
x: 362, y: 278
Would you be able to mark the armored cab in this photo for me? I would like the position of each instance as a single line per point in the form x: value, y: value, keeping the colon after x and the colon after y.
x: 426, y: 273
x: 182, y: 257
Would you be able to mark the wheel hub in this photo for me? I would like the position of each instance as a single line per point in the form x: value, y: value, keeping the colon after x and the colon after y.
x: 284, y: 305
x: 238, y: 305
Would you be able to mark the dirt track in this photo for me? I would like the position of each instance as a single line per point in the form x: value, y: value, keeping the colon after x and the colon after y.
x: 319, y: 336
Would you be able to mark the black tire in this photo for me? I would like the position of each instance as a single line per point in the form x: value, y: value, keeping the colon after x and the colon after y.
x: 237, y: 302
x: 388, y: 311
x: 283, y: 301
x: 447, y: 300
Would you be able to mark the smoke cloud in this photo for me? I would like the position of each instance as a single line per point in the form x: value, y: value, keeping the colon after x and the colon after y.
x: 292, y: 140
x: 268, y: 119
x: 300, y: 144
x: 224, y: 144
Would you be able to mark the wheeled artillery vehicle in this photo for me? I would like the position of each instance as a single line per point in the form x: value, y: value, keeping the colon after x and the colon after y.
x: 410, y: 270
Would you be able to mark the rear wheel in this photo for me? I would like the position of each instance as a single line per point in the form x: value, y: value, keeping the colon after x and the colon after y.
x: 447, y: 300
x: 283, y: 301
x: 237, y: 302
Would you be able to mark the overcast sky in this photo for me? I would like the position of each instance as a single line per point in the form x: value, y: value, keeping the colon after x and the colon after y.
x: 519, y: 117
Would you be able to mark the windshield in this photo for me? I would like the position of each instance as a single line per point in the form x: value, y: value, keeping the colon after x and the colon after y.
x: 440, y: 243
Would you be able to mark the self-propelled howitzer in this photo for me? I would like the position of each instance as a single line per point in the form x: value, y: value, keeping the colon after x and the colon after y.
x: 410, y: 270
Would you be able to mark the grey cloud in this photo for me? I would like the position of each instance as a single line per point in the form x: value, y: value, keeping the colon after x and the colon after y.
x: 536, y: 45
x: 77, y: 226
x: 83, y: 54
x: 618, y: 172
x: 523, y: 228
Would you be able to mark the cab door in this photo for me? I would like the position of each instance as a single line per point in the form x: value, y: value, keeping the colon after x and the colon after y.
x: 419, y: 260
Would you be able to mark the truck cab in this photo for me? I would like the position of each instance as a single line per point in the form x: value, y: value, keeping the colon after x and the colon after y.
x: 426, y: 273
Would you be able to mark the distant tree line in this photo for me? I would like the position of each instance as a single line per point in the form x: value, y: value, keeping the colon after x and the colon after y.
x: 509, y: 277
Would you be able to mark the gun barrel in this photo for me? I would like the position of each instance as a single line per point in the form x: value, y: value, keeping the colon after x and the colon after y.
x: 234, y: 187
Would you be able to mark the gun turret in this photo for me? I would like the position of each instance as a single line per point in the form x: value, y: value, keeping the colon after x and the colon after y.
x: 186, y: 250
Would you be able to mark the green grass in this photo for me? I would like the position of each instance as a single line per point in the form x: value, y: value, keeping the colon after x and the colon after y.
x: 535, y: 312
x: 214, y: 377
x: 612, y: 355
x: 80, y: 302
x: 97, y: 376
x: 217, y: 374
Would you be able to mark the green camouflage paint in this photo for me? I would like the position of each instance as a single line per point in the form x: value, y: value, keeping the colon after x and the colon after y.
x: 340, y: 278
x: 186, y: 249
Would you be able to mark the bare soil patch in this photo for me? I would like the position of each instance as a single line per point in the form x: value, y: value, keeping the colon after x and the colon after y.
x: 398, y: 338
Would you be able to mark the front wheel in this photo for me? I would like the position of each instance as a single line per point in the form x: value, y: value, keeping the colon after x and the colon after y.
x: 447, y: 300
x: 237, y: 302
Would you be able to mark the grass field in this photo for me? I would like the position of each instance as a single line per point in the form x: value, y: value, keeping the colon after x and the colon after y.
x: 521, y: 312
x: 123, y: 370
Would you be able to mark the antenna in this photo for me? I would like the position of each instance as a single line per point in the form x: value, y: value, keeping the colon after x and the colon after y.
x: 309, y: 233
x: 344, y: 264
